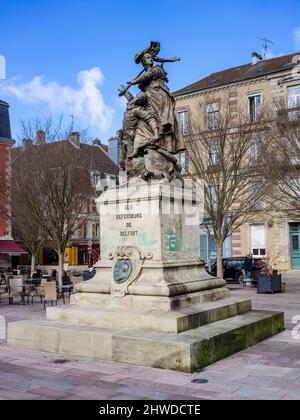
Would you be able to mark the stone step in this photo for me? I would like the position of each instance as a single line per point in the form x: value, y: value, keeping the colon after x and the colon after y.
x: 151, y: 320
x: 156, y: 301
x: 186, y: 352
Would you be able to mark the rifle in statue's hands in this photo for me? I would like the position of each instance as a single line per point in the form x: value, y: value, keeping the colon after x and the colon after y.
x: 125, y: 89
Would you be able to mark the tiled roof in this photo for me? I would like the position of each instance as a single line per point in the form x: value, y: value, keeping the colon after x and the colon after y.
x: 93, y: 156
x: 104, y: 147
x: 241, y: 73
x: 99, y: 159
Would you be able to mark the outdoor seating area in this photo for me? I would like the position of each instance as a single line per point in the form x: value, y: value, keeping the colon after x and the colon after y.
x: 16, y: 288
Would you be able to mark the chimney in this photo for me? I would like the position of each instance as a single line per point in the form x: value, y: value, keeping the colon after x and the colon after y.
x: 256, y: 58
x: 97, y: 142
x: 26, y: 143
x: 75, y: 139
x: 5, y: 132
x: 40, y: 137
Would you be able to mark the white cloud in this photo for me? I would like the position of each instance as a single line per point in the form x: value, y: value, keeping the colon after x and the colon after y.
x: 86, y: 102
x: 297, y: 37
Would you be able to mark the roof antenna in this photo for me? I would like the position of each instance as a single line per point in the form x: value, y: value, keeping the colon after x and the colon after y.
x: 265, y: 48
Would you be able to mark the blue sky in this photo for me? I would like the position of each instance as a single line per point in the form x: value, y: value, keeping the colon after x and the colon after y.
x: 72, y: 56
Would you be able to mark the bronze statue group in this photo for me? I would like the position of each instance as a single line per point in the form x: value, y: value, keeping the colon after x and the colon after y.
x: 150, y: 138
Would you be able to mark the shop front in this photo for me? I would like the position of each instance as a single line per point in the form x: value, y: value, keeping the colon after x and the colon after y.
x: 10, y: 252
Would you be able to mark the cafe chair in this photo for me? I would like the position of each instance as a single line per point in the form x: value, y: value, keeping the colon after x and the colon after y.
x: 52, y: 293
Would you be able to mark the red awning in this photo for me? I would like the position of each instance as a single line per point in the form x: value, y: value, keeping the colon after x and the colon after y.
x: 11, y: 248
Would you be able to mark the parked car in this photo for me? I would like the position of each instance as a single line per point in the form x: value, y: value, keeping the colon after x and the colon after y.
x: 232, y: 268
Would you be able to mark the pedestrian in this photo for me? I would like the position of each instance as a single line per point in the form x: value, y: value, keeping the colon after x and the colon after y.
x: 248, y: 266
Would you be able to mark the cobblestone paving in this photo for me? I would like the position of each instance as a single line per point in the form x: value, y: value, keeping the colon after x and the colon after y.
x: 269, y: 370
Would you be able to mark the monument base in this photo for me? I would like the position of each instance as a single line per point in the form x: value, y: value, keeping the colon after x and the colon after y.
x: 185, y: 352
x: 151, y: 302
x: 175, y: 321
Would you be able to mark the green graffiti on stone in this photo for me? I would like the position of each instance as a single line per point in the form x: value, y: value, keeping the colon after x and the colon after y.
x: 171, y: 240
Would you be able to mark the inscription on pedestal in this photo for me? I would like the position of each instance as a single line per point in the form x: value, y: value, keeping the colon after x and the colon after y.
x: 129, y: 230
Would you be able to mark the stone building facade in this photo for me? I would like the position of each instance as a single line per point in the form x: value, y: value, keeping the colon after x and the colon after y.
x: 5, y: 146
x: 249, y: 87
x: 8, y: 248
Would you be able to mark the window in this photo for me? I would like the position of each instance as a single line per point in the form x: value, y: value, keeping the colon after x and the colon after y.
x: 88, y: 230
x: 213, y: 115
x: 96, y: 230
x: 184, y: 161
x: 207, y: 248
x: 182, y: 117
x: 294, y: 97
x: 82, y: 231
x: 254, y: 151
x: 213, y: 197
x: 258, y: 240
x: 294, y: 188
x: 254, y: 105
x: 214, y: 155
x: 256, y: 194
x: 294, y: 101
x: 295, y: 242
x: 96, y: 178
x: 82, y: 255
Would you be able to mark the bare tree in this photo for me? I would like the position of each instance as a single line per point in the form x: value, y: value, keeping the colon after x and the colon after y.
x: 55, y: 128
x: 51, y: 188
x: 226, y: 158
x: 282, y: 159
x: 25, y: 228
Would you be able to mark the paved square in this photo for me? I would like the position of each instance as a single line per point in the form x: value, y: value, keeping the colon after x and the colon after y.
x: 270, y: 370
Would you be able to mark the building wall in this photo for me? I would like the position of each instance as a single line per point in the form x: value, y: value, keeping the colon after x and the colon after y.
x: 5, y: 162
x: 2, y: 176
x: 5, y: 166
x: 235, y: 97
x: 277, y: 242
x: 114, y: 150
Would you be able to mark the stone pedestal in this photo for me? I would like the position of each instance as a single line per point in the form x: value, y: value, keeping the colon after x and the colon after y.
x: 151, y: 301
x: 153, y: 232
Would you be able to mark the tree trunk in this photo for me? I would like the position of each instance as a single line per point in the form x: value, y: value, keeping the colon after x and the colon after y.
x: 33, y: 259
x: 219, y: 250
x: 60, y: 267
